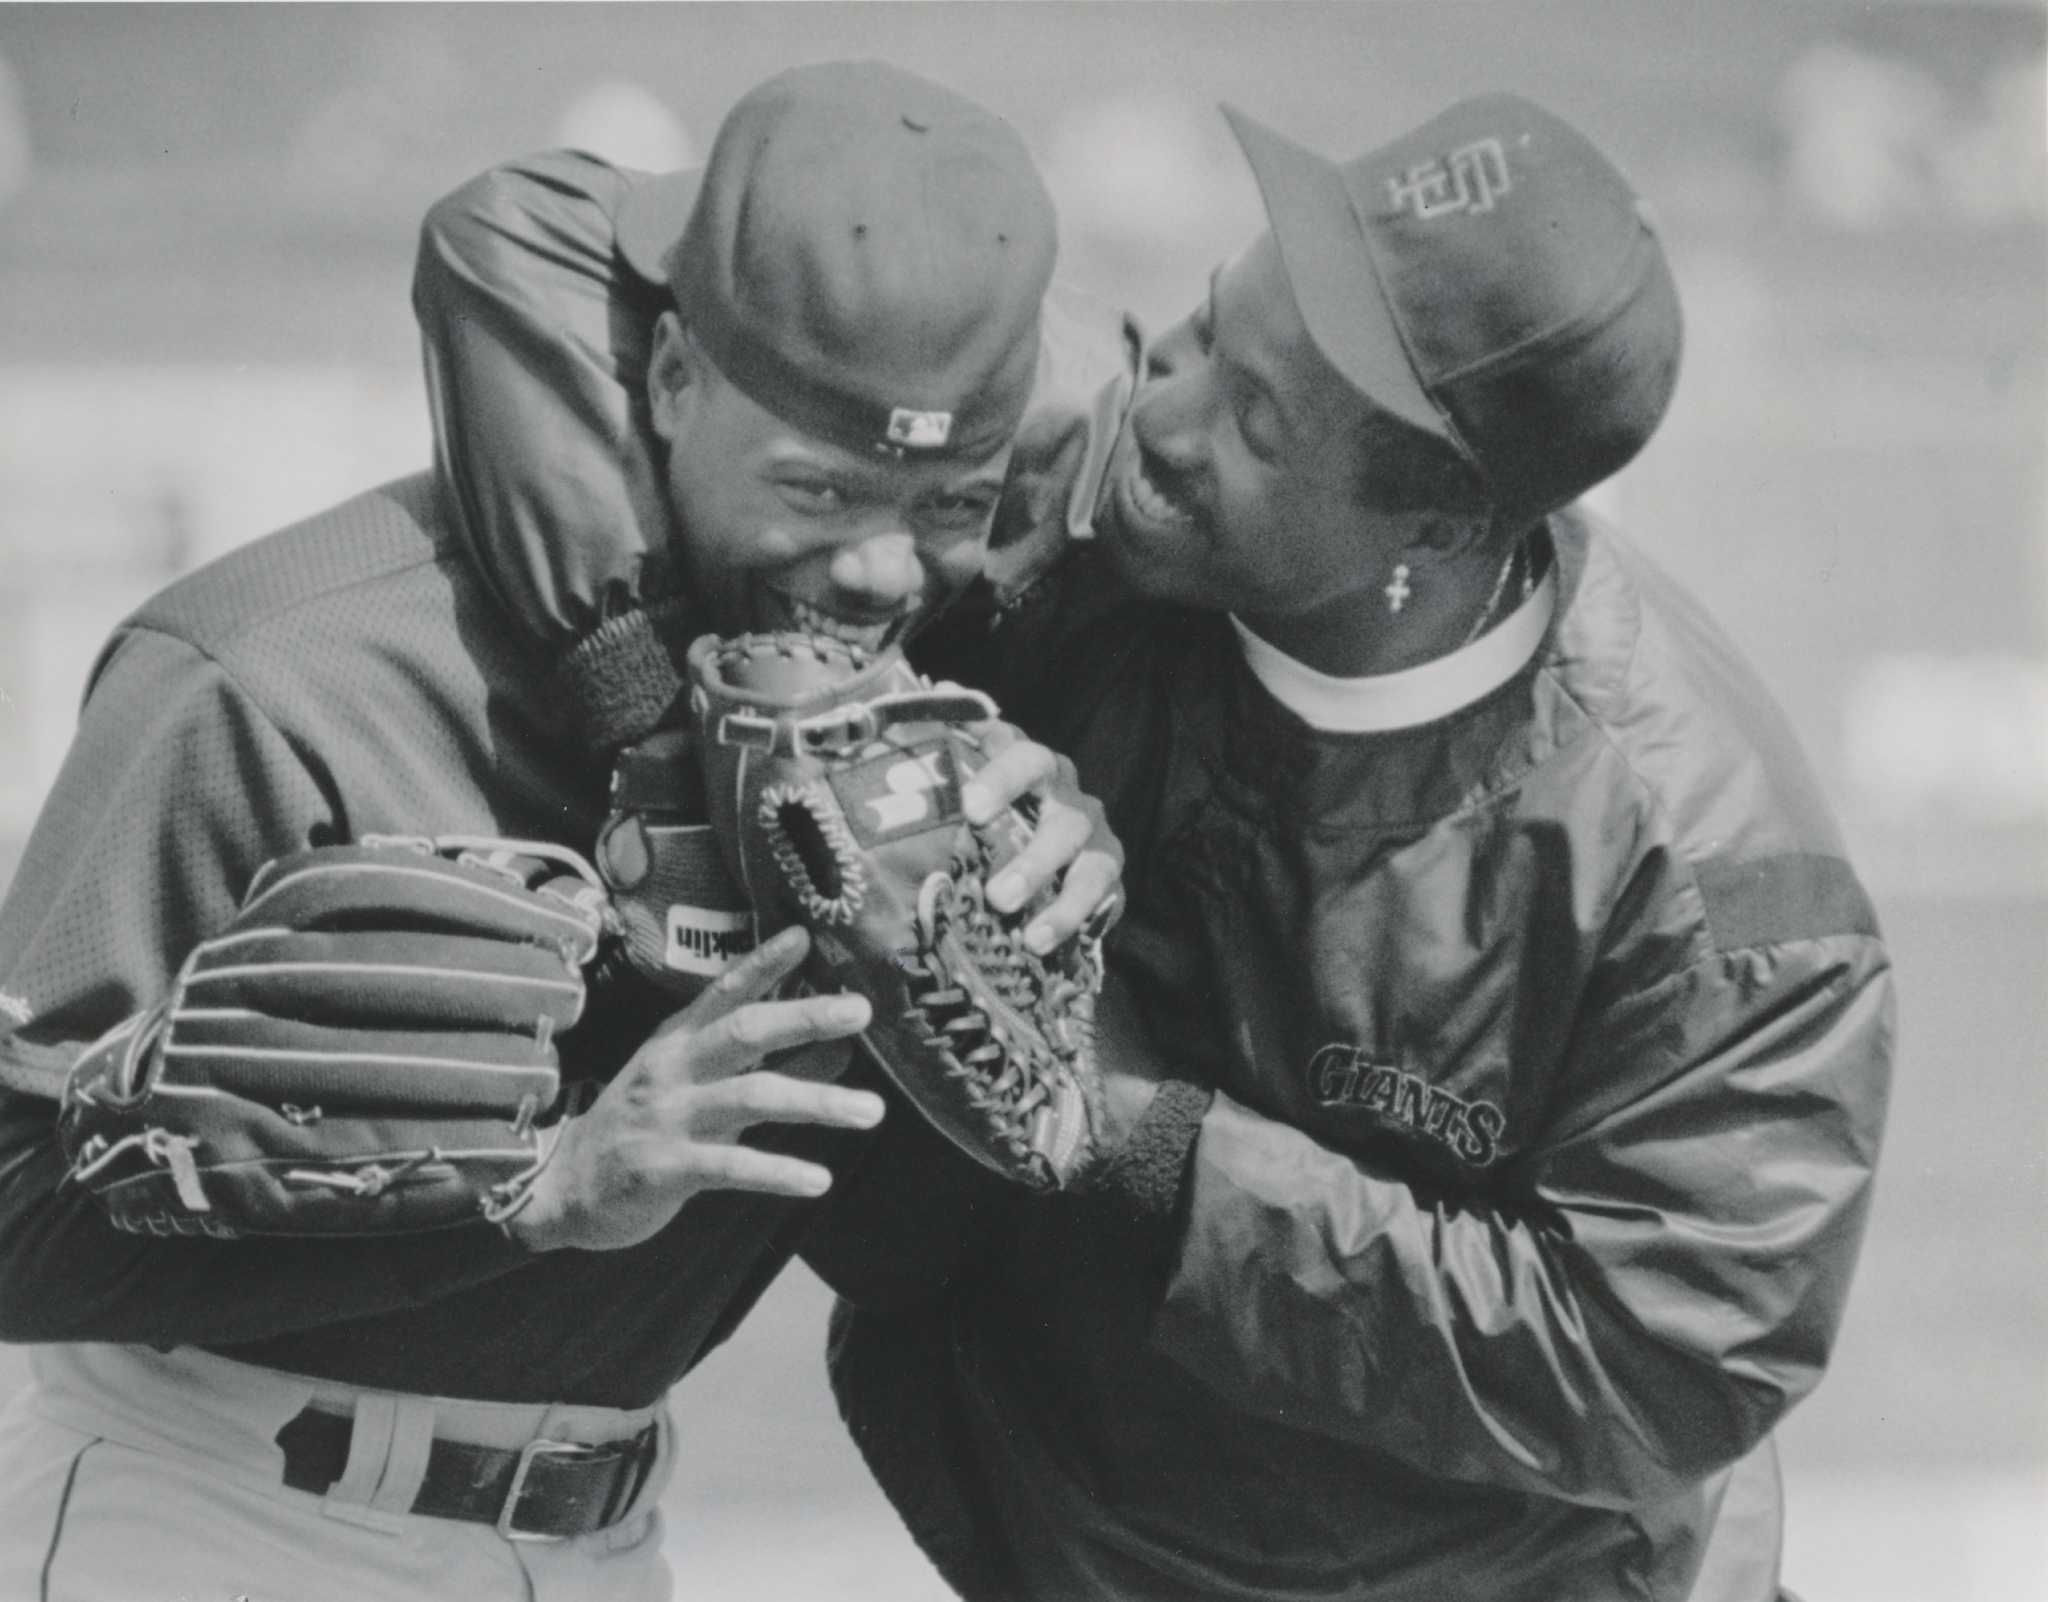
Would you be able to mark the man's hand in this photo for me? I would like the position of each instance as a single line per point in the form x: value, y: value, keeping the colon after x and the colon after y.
x: 668, y: 1125
x: 1070, y: 842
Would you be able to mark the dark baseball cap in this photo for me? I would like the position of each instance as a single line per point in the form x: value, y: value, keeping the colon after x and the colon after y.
x: 1490, y: 279
x: 863, y: 254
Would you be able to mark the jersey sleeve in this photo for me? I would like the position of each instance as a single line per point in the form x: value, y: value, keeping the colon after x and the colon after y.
x: 1634, y: 1312
x: 176, y: 789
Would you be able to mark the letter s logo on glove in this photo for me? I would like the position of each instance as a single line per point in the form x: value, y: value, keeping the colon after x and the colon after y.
x: 907, y: 802
x: 904, y: 792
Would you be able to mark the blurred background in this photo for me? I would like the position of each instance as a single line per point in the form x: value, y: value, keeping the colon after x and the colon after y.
x: 207, y: 218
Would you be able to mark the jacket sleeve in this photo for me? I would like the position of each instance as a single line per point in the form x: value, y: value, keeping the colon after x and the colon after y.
x: 909, y: 1218
x: 176, y: 789
x: 1636, y: 1311
x: 535, y: 336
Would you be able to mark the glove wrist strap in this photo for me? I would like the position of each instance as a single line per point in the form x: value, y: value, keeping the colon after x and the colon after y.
x: 854, y: 723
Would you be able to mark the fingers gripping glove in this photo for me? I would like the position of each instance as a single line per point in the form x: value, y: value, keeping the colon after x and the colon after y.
x: 834, y: 782
x: 364, y: 1050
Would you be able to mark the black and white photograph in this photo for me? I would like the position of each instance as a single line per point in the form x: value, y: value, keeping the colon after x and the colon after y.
x: 1024, y: 800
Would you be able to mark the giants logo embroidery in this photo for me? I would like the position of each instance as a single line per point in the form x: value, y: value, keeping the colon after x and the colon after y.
x: 1470, y: 179
x: 1344, y: 1076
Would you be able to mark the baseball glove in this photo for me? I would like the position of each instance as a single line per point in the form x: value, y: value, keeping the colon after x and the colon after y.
x: 366, y: 1049
x: 833, y: 779
x: 680, y: 917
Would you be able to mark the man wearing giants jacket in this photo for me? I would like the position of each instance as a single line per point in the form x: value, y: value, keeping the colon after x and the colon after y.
x: 1504, y: 1035
x: 1547, y: 1027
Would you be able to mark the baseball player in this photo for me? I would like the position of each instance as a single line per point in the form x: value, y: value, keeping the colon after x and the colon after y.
x: 843, y: 345
x: 1503, y: 1036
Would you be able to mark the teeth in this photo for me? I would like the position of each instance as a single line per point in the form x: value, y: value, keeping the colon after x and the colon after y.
x: 813, y: 620
x: 1151, y: 502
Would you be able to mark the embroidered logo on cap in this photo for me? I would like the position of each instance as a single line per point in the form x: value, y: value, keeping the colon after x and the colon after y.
x: 1470, y: 178
x: 919, y: 431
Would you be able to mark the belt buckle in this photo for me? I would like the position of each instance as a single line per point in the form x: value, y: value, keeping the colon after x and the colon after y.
x: 508, y: 1515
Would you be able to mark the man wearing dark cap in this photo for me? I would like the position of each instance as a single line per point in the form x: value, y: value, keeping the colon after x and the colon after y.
x: 840, y: 348
x: 1521, y: 1033
x: 1502, y: 1035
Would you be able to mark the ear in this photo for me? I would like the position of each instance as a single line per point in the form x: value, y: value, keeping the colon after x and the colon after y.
x: 671, y: 369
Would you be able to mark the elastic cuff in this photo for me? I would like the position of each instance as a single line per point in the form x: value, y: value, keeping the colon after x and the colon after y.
x: 621, y: 681
x: 1140, y: 1187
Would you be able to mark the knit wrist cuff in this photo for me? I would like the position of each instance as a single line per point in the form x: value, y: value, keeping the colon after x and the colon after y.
x: 1145, y: 1176
x: 625, y: 678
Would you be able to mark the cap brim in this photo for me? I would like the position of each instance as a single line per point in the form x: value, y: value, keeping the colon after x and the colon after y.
x: 1330, y: 267
x: 652, y: 218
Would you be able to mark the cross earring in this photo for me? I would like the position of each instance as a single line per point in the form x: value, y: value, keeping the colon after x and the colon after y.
x: 1397, y: 593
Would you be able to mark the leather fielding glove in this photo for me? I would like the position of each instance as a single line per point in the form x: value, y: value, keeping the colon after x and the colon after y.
x: 833, y: 782
x: 367, y: 1048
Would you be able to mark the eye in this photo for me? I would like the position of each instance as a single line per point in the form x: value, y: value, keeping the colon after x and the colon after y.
x: 1258, y: 420
x: 809, y: 493
x: 958, y: 511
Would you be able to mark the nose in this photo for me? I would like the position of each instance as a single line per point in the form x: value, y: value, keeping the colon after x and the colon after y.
x: 1167, y: 412
x: 880, y: 572
x: 1164, y: 356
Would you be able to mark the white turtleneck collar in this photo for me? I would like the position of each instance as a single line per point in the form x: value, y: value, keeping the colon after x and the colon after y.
x: 1380, y: 702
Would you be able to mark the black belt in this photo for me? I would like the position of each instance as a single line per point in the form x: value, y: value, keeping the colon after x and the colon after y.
x: 544, y: 1490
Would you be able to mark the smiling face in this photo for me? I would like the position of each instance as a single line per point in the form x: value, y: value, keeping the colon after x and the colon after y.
x: 1235, y: 483
x: 783, y: 530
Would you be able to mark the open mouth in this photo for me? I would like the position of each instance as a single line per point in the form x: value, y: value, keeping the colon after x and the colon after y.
x: 1155, y: 494
x: 871, y: 634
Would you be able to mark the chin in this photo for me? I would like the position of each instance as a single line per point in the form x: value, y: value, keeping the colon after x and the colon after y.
x: 1150, y: 559
x: 1147, y: 571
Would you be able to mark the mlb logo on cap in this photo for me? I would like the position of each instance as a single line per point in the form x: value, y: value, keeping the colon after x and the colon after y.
x: 919, y: 431
x: 860, y: 237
